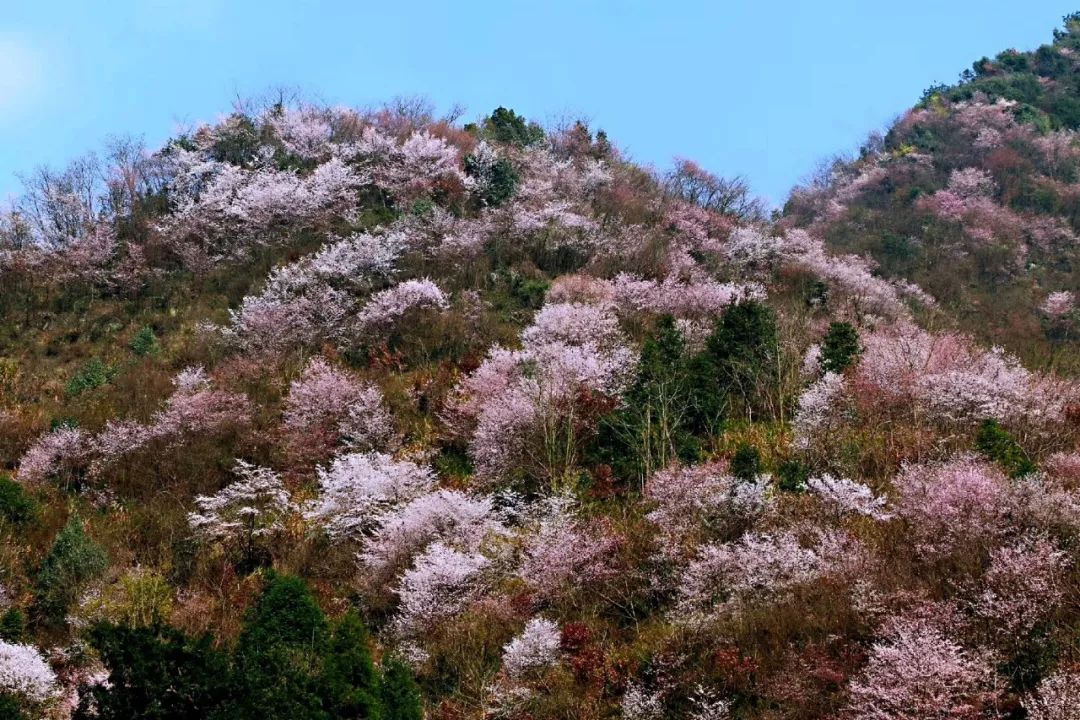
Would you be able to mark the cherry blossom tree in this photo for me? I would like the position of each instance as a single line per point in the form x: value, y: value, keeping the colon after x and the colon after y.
x: 917, y: 671
x: 441, y: 583
x: 357, y: 489
x: 849, y: 497
x: 25, y: 675
x: 1056, y: 698
x: 325, y: 405
x: 536, y: 648
x: 951, y: 504
x: 247, y: 512
x: 1023, y: 586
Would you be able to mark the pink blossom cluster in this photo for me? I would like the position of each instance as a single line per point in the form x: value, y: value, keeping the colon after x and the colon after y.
x: 1056, y: 698
x: 956, y: 379
x: 536, y: 648
x: 688, y: 498
x: 1059, y: 304
x: 952, y: 504
x: 54, y: 453
x: 448, y: 517
x: 325, y: 400
x: 25, y: 674
x: 358, y: 489
x: 220, y: 210
x: 918, y: 671
x: 849, y: 497
x: 518, y: 396
x: 750, y: 248
x: 818, y: 407
x: 694, y: 298
x: 756, y: 567
x: 1024, y: 585
x: 409, y: 169
x: 387, y: 307
x: 256, y: 505
x: 193, y: 409
x: 315, y: 298
x: 440, y: 584
x: 303, y: 132
x: 561, y: 552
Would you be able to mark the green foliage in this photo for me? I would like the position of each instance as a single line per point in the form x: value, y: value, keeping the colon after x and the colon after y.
x: 529, y: 292
x: 998, y: 445
x: 278, y: 657
x: 92, y: 375
x: 71, y: 564
x: 500, y: 180
x: 399, y: 692
x: 351, y: 678
x: 840, y: 348
x: 10, y: 709
x: 237, y: 141
x: 144, y: 342
x: 12, y: 625
x: 155, y: 673
x: 289, y: 664
x: 746, y: 462
x: 651, y: 430
x: 737, y: 369
x: 16, y: 505
x: 506, y: 126
x: 792, y: 476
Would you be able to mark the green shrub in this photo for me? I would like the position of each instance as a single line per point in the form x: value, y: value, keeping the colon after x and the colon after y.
x: 92, y: 375
x: 736, y: 372
x: 998, y: 445
x: 498, y: 181
x: 840, y: 348
x: 144, y: 342
x: 71, y: 564
x: 155, y: 673
x: 651, y: 430
x: 792, y: 476
x: 351, y: 679
x: 746, y: 462
x: 16, y: 505
x: 399, y: 692
x: 12, y: 626
x: 506, y: 126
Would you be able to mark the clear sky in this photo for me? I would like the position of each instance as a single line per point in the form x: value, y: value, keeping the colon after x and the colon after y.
x: 763, y: 89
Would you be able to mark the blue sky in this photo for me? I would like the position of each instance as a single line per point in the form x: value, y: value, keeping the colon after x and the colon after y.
x: 762, y: 89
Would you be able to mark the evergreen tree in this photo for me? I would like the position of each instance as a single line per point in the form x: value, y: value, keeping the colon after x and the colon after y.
x: 399, y: 692
x: 350, y: 673
x: 650, y: 431
x: 277, y: 671
x: 746, y: 462
x: 737, y: 369
x: 840, y: 348
x: 155, y: 674
x: 73, y: 561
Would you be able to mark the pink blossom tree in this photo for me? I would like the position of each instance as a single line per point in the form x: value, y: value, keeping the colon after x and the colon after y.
x: 916, y: 672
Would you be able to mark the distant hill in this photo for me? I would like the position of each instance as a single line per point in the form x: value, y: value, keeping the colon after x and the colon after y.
x: 973, y: 194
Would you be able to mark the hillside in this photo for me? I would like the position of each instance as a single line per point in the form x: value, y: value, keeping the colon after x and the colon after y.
x: 319, y: 412
x: 972, y: 194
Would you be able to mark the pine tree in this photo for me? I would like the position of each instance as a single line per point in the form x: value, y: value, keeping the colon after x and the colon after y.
x: 277, y: 672
x: 400, y: 694
x: 350, y: 673
x: 155, y: 674
x: 840, y: 348
x: 73, y: 561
